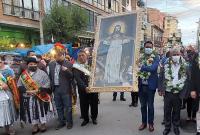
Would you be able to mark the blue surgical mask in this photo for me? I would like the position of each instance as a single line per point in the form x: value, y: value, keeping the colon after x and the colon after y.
x: 148, y: 50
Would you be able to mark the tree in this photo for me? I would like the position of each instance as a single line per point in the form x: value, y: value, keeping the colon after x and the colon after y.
x: 64, y: 22
x: 4, y: 44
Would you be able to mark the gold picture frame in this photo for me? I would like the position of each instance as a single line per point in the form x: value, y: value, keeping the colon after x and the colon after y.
x: 137, y: 41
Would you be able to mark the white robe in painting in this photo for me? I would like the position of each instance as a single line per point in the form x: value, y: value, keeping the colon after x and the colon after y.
x: 113, y: 61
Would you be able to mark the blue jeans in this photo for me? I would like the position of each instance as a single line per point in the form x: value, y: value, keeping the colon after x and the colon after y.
x: 146, y: 97
x: 63, y: 102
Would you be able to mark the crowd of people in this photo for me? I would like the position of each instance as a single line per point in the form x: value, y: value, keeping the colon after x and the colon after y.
x: 46, y: 89
x: 175, y: 75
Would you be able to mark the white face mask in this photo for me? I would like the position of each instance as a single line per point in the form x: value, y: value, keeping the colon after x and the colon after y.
x: 148, y: 50
x: 176, y: 59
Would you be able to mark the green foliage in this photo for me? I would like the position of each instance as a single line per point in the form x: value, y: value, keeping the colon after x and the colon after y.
x: 64, y: 22
x: 5, y: 44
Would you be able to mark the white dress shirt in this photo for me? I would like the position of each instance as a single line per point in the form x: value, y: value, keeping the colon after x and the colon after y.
x: 175, y: 71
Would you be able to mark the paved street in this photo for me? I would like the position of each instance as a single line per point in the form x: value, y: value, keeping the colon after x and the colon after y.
x: 115, y: 118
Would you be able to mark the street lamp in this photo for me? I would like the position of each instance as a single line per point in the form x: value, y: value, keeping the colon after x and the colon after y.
x: 11, y: 45
x: 22, y: 45
x: 53, y: 52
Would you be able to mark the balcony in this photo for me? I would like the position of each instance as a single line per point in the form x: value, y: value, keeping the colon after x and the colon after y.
x: 20, y: 12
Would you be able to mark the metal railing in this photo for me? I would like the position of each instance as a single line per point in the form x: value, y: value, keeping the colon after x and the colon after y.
x: 20, y: 12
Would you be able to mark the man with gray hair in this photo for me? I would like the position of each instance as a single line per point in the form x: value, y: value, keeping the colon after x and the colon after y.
x: 171, y: 82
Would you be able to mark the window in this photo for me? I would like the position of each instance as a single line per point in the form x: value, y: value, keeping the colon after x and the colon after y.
x: 12, y: 7
x: 97, y: 3
x: 113, y: 5
x: 109, y: 4
x: 22, y: 8
x: 7, y: 1
x: 36, y: 8
x: 6, y: 7
x: 117, y: 7
x: 28, y: 4
x: 66, y: 3
x: 17, y: 10
x: 28, y: 9
x: 47, y: 5
x: 91, y: 21
x: 17, y: 3
x: 123, y: 9
x: 36, y: 5
x: 88, y: 1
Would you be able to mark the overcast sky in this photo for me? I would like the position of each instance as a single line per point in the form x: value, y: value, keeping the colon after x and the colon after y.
x: 187, y: 11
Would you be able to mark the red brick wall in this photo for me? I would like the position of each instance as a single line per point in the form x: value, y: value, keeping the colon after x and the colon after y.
x: 156, y: 17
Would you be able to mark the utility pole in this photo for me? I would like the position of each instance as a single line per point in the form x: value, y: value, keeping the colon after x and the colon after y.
x: 41, y: 6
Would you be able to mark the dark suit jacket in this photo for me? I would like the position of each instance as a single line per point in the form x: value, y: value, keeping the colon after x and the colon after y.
x: 195, y: 75
x: 82, y: 80
x: 42, y: 67
x: 65, y: 77
x: 184, y: 94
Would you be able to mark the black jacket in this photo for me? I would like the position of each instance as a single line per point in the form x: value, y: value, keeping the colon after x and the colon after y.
x: 65, y: 77
x: 195, y: 75
x: 82, y: 80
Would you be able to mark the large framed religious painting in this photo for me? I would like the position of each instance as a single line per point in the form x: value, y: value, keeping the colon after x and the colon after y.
x: 115, y: 54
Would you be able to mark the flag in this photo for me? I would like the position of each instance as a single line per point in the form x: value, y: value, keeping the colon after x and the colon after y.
x: 52, y: 39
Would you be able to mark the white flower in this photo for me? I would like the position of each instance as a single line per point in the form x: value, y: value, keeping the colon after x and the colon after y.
x: 168, y: 76
x: 181, y: 85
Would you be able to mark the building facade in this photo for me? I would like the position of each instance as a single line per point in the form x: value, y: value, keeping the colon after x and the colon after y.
x: 157, y: 36
x: 198, y: 36
x: 95, y: 8
x: 20, y: 19
x: 172, y: 33
x: 171, y: 24
x: 156, y: 17
x: 19, y: 22
x: 155, y: 29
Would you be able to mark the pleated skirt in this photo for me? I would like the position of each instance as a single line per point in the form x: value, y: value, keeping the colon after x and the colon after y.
x: 7, y: 109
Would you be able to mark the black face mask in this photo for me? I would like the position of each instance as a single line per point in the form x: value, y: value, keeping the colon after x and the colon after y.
x: 32, y: 68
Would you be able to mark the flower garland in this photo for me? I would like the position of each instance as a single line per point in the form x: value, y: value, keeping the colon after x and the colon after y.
x: 147, y: 61
x: 82, y: 67
x: 175, y: 88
